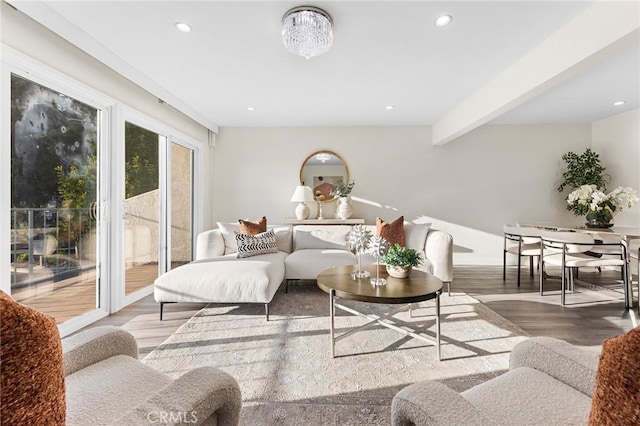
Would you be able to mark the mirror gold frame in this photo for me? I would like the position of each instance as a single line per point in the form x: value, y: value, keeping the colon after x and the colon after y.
x: 344, y: 178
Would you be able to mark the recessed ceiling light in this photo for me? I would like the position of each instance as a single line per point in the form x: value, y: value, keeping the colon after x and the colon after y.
x: 390, y: 107
x: 619, y: 103
x: 444, y: 20
x: 251, y: 109
x: 181, y: 26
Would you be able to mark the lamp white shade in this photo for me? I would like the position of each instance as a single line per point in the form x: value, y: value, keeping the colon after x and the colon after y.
x: 301, y: 195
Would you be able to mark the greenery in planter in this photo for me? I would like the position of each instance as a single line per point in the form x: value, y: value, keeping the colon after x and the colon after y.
x: 340, y: 189
x: 403, y: 257
x: 583, y: 169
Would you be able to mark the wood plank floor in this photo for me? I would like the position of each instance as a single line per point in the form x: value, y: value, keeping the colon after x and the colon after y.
x: 592, y: 313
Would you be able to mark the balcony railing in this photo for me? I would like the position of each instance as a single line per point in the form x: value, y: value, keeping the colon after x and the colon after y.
x: 51, y: 244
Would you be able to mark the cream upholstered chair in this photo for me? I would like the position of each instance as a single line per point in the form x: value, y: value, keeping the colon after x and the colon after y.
x: 549, y: 382
x: 520, y: 241
x: 94, y: 378
x: 568, y: 250
x: 106, y: 384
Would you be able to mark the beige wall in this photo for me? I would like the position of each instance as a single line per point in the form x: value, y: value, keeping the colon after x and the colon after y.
x: 617, y: 140
x: 470, y: 187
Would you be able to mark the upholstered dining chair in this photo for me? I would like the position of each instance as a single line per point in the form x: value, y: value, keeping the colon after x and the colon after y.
x: 634, y: 256
x: 520, y: 241
x: 568, y: 250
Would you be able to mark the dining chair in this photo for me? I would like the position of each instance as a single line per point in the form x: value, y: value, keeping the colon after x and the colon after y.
x: 520, y: 241
x: 569, y: 251
x: 601, y: 248
x: 634, y: 255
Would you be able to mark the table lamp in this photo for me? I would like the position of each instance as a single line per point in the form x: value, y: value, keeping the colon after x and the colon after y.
x: 301, y: 195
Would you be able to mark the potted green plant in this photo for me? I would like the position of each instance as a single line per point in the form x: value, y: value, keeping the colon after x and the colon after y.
x: 401, y: 260
x: 583, y: 169
x: 341, y: 189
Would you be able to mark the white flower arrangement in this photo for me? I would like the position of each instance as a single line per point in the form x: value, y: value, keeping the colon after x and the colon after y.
x: 588, y: 198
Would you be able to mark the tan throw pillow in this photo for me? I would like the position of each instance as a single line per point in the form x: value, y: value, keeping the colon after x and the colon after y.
x: 253, y: 228
x: 392, y: 232
x: 32, y: 391
x: 616, y: 396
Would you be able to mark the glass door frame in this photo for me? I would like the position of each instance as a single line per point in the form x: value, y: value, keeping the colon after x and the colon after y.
x: 123, y: 114
x: 21, y: 65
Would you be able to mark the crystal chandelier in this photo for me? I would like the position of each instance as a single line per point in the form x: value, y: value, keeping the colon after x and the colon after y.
x: 306, y: 31
x: 323, y: 157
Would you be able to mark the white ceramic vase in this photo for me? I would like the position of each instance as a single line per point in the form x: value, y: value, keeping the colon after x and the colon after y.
x: 344, y: 209
x: 398, y: 272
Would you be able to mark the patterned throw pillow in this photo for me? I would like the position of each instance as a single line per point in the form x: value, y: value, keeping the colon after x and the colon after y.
x: 252, y: 245
x: 253, y: 228
x: 616, y: 397
x: 392, y: 232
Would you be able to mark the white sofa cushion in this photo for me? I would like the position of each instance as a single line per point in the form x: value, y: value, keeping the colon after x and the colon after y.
x: 228, y: 230
x: 320, y: 237
x: 251, y: 280
x: 306, y: 264
x: 415, y: 235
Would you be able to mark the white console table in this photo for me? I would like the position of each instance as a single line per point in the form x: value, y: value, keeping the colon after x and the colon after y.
x: 323, y: 221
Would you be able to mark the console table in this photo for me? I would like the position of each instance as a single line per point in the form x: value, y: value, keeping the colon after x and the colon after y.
x: 322, y: 221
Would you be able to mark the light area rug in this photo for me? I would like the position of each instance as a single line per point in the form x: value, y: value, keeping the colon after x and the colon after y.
x: 284, y: 366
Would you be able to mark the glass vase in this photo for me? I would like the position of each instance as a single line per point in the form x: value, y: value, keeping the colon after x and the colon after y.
x: 360, y: 273
x: 599, y: 219
x: 377, y: 281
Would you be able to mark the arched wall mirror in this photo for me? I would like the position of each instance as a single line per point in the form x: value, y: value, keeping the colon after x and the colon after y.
x: 321, y: 170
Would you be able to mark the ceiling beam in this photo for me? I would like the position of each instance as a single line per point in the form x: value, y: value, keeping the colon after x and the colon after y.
x: 598, y: 31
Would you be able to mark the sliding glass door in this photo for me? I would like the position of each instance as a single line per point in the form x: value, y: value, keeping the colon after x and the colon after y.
x: 54, y: 213
x: 97, y: 198
x: 142, y: 207
x: 155, y: 233
x: 181, y: 199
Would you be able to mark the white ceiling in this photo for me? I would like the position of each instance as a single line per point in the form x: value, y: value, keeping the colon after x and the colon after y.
x: 384, y: 53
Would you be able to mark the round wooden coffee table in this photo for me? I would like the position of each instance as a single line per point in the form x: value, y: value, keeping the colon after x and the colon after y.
x: 418, y: 287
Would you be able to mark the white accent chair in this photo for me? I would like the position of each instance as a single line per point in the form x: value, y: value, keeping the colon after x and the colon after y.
x: 106, y: 384
x: 520, y: 241
x: 568, y: 250
x: 549, y: 382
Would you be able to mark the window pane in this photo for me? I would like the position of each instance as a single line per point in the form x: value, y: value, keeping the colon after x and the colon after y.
x: 142, y: 207
x: 181, y: 203
x: 54, y: 160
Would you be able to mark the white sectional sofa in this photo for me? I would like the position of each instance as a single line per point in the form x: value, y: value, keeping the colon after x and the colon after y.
x: 217, y: 275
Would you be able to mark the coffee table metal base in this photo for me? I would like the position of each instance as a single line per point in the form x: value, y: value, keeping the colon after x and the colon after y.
x: 374, y: 319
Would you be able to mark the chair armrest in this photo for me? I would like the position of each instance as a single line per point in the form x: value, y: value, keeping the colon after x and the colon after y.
x: 439, y: 250
x: 94, y: 345
x: 205, y: 395
x: 209, y: 244
x: 433, y: 403
x: 567, y: 363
